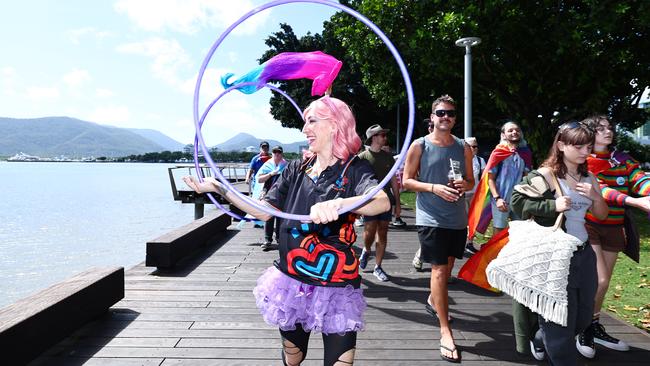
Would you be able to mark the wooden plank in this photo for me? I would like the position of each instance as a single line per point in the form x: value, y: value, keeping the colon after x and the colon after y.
x: 206, y: 303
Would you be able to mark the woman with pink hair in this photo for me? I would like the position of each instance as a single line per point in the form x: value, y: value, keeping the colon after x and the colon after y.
x: 315, y: 283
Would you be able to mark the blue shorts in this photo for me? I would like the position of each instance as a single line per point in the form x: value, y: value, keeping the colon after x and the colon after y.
x: 499, y: 218
x: 386, y: 216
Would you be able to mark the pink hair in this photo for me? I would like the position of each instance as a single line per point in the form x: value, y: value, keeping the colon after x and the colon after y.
x: 345, y: 141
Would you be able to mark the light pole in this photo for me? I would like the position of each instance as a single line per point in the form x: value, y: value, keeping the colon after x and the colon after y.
x: 468, y: 42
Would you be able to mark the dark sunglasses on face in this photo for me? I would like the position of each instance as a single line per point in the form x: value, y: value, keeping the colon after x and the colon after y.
x: 441, y: 113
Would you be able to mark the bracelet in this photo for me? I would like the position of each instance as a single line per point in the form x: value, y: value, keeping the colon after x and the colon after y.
x: 496, y: 198
x: 432, y: 186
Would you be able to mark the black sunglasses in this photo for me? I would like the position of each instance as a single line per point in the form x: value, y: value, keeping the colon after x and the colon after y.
x: 449, y: 112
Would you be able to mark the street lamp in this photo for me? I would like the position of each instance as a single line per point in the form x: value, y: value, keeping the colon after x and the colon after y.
x: 468, y: 42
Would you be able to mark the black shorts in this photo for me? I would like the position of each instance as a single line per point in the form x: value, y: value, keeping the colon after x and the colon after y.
x: 438, y: 244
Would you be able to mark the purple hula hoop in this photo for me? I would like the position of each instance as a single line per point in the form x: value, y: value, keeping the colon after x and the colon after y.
x: 208, y: 158
x: 396, y: 56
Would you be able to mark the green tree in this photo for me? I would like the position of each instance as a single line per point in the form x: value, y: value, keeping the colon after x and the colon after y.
x: 540, y: 62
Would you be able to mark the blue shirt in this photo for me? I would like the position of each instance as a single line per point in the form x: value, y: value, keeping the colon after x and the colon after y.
x: 268, y: 167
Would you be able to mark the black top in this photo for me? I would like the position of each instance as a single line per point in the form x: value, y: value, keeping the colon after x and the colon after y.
x: 319, y: 254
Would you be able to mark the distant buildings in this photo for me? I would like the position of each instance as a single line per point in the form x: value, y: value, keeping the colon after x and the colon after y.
x: 21, y: 156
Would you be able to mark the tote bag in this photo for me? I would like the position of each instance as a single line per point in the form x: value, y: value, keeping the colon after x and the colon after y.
x: 533, y: 268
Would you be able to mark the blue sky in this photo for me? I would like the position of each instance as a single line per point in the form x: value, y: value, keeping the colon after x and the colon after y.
x: 133, y: 63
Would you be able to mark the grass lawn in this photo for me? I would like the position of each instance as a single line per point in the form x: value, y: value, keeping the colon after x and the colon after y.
x: 629, y: 290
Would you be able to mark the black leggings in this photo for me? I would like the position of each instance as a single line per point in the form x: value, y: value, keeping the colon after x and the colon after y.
x: 335, y: 344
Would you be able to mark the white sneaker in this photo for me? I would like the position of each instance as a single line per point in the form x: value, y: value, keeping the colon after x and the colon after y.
x: 538, y: 352
x: 417, y: 263
x: 380, y: 274
x: 584, y: 348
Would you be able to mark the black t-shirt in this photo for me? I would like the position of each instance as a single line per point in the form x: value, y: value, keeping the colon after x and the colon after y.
x: 319, y: 254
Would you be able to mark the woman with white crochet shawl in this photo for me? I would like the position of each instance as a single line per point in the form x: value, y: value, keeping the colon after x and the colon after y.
x: 535, y: 197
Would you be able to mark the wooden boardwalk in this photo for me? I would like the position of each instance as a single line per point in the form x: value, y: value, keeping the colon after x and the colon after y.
x: 204, y: 313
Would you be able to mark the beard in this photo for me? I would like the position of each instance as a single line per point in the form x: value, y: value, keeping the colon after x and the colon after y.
x: 514, y: 140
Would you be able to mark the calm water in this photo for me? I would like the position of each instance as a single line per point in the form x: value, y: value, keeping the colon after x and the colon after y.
x: 58, y: 219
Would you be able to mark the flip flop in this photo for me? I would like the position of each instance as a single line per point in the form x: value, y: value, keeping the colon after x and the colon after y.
x: 450, y: 350
x: 429, y: 308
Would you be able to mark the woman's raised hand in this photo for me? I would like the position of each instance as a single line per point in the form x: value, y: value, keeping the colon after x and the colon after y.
x: 587, y: 190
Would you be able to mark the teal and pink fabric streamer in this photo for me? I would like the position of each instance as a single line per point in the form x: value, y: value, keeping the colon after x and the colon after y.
x: 317, y: 66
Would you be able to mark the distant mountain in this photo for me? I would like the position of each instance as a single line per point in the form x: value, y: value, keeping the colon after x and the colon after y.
x: 244, y: 140
x: 160, y: 138
x: 55, y: 136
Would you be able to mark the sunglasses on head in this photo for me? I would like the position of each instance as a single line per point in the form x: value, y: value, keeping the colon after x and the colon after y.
x: 571, y: 125
x: 441, y: 113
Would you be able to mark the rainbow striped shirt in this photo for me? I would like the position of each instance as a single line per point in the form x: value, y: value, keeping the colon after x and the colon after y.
x: 617, y: 183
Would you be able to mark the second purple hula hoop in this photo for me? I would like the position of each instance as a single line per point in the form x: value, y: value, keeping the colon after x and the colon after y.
x: 199, y: 121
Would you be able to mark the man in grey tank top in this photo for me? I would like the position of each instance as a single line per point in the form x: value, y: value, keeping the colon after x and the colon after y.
x: 439, y: 168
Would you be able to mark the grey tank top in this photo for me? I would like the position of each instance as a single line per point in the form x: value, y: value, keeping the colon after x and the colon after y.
x: 431, y: 210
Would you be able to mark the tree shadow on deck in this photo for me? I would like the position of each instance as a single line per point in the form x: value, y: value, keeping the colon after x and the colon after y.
x: 87, y: 341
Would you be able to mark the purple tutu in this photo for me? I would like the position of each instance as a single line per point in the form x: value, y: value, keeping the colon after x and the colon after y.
x: 285, y: 302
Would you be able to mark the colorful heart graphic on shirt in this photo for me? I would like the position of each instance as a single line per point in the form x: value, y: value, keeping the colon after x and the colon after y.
x: 321, y: 268
x: 316, y: 260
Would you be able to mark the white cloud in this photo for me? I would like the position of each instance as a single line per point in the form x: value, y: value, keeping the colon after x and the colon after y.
x: 104, y: 93
x: 169, y: 57
x: 188, y: 16
x: 75, y: 35
x: 76, y: 78
x: 9, y: 80
x: 42, y: 92
x: 114, y: 115
x: 210, y: 84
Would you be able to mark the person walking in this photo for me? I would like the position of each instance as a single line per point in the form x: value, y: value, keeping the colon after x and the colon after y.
x: 508, y: 163
x: 536, y: 197
x: 441, y: 215
x: 266, y: 176
x: 376, y: 227
x: 315, y: 285
x: 624, y: 185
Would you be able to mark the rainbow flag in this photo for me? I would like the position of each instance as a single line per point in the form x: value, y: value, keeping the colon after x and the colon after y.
x: 480, y: 211
x: 474, y: 269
